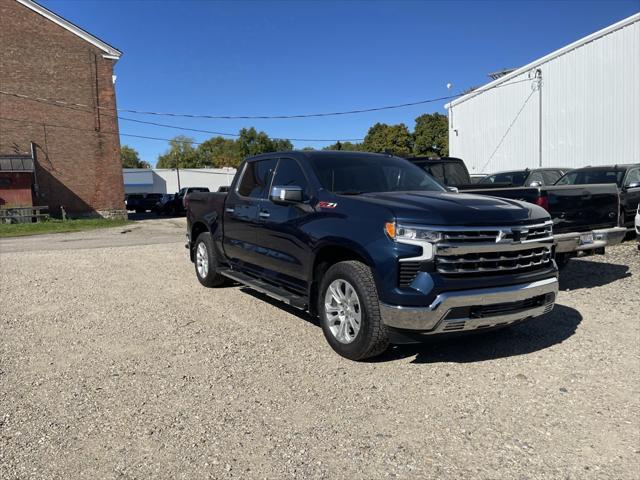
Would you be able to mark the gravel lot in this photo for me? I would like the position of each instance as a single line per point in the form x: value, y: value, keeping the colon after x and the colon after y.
x: 116, y: 363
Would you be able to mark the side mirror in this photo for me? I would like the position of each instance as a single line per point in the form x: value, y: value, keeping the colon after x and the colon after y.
x: 286, y: 194
x: 535, y: 184
x: 453, y: 189
x: 633, y: 185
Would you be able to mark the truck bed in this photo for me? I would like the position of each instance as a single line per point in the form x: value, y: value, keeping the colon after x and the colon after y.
x: 578, y: 208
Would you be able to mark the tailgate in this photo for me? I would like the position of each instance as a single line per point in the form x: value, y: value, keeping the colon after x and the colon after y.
x: 578, y: 208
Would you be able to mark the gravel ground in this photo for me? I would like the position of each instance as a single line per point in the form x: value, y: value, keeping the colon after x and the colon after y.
x: 116, y: 363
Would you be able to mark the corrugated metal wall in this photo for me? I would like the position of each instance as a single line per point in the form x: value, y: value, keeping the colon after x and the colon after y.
x: 590, y: 111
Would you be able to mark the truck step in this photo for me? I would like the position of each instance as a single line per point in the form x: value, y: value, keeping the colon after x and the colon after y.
x: 296, y: 301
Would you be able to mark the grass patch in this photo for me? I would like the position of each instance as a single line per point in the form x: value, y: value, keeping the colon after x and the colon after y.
x: 57, y: 226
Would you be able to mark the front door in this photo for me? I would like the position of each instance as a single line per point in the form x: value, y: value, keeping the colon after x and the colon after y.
x: 284, y: 247
x: 241, y: 218
x: 630, y: 196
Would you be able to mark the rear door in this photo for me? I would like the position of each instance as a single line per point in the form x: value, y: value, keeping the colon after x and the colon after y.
x: 241, y: 212
x: 283, y: 246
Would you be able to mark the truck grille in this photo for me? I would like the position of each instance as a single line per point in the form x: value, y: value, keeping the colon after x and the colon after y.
x: 494, y: 250
x: 490, y: 262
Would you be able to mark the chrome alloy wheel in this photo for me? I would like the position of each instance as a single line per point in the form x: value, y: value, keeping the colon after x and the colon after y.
x: 202, y: 260
x: 342, y: 311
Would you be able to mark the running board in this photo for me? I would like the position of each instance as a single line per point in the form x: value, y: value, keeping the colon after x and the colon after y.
x: 268, y: 289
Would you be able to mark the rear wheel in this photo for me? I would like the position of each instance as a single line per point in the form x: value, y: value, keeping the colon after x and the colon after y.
x: 349, y: 311
x: 206, y: 262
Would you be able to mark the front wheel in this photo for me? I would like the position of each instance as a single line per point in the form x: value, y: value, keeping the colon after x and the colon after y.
x: 206, y: 262
x: 350, y: 313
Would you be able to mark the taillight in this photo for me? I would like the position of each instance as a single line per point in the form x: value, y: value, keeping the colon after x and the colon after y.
x: 543, y: 201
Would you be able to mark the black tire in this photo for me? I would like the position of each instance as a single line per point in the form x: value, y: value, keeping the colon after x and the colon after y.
x: 372, y: 339
x: 562, y: 259
x: 212, y: 278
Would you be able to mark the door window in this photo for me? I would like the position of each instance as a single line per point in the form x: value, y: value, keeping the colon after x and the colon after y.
x: 256, y: 178
x: 632, y: 177
x: 535, y: 177
x: 550, y: 176
x: 289, y: 173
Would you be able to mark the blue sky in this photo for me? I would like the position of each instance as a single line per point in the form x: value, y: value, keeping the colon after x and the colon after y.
x: 290, y: 57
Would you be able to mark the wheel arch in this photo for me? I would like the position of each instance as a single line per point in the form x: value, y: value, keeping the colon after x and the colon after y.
x: 196, y: 229
x: 327, y: 255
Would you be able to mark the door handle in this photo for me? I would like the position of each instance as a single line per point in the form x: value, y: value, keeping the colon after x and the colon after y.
x: 229, y: 210
x: 264, y: 214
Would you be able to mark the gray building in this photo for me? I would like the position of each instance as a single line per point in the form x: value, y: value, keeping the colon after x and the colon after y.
x: 577, y: 106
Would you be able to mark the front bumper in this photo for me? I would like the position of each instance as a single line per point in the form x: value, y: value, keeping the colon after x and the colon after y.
x: 571, y: 242
x: 465, y: 310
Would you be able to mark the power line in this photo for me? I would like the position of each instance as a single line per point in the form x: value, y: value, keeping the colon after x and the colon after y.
x: 74, y: 106
x: 36, y: 124
x: 238, y: 135
x: 259, y: 117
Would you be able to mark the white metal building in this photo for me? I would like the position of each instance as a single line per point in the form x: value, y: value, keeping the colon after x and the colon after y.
x: 165, y: 180
x: 577, y: 106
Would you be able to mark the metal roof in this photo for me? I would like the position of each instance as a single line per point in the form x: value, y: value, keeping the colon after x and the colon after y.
x: 76, y: 30
x: 536, y: 63
x: 16, y: 163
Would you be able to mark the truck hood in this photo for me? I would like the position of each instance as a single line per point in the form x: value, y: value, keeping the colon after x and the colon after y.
x: 444, y: 208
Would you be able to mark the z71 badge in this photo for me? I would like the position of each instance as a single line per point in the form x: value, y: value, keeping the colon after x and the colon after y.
x: 327, y: 204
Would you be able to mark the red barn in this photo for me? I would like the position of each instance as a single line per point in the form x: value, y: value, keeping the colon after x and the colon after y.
x: 57, y: 93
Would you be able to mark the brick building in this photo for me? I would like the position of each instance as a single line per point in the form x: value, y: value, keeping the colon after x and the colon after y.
x: 76, y: 147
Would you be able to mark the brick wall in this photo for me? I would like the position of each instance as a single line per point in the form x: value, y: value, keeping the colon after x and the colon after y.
x: 78, y: 150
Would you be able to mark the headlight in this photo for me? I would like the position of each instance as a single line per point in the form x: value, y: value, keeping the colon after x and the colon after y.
x: 406, y: 232
x: 414, y: 235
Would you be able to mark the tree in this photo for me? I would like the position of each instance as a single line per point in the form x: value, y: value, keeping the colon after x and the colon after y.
x: 252, y: 142
x: 431, y: 135
x: 131, y: 159
x: 219, y: 152
x: 395, y: 139
x: 347, y: 146
x: 181, y: 154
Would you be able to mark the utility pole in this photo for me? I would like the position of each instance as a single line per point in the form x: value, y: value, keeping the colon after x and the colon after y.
x: 539, y: 78
x: 178, y: 175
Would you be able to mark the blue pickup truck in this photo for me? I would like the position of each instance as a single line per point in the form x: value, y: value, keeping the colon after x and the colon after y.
x: 374, y: 247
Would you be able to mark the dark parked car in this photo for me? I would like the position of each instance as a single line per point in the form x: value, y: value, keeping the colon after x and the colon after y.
x: 373, y: 246
x: 535, y: 177
x: 625, y: 177
x: 142, y: 202
x: 585, y: 217
x: 164, y: 206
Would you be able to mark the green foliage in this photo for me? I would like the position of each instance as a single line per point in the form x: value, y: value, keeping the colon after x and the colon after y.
x: 251, y: 142
x: 181, y: 154
x: 131, y: 159
x: 431, y: 135
x: 219, y: 151
x: 348, y: 146
x: 429, y: 138
x: 383, y: 138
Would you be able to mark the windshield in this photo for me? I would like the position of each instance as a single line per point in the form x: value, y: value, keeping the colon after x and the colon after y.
x: 514, y: 178
x: 366, y: 174
x: 592, y: 175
